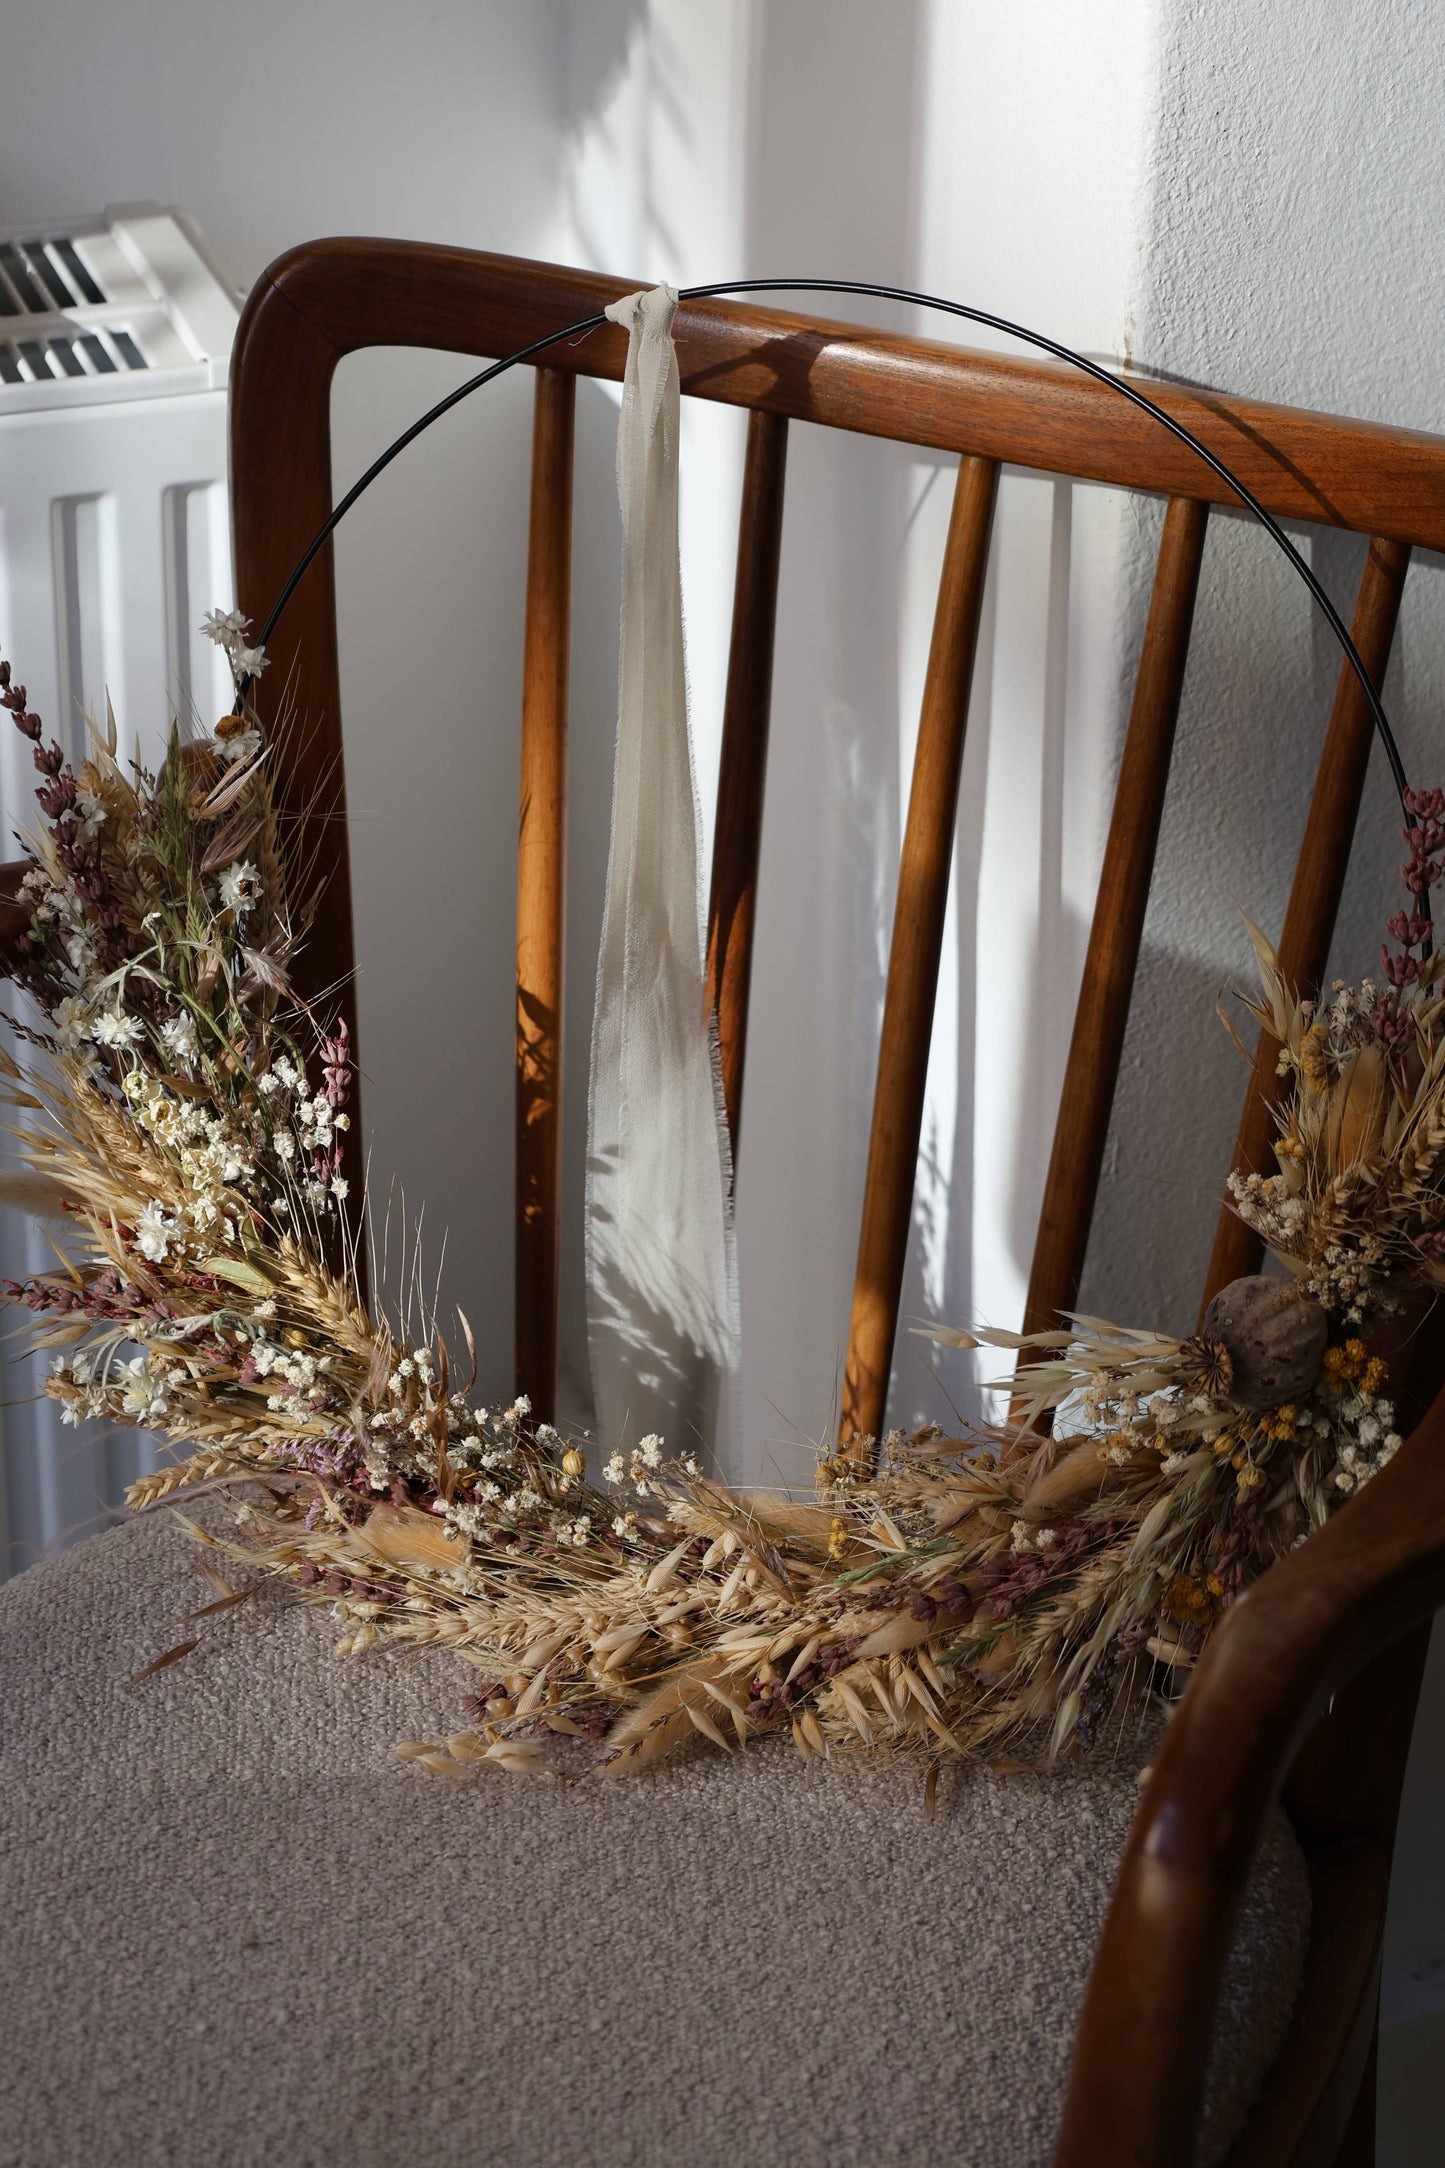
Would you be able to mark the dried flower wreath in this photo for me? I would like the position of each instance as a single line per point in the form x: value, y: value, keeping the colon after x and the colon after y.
x: 185, y: 1123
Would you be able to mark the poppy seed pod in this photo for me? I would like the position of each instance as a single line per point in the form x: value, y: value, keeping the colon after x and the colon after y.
x: 1261, y: 1343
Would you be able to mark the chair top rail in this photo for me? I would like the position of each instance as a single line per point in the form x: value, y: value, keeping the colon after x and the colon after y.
x: 1314, y: 467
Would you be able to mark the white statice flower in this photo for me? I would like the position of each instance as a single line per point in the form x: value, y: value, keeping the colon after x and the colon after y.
x: 527, y: 1500
x: 117, y: 1027
x: 285, y: 1145
x: 81, y: 951
x: 240, y: 888
x: 91, y: 811
x: 155, y: 1231
x: 228, y: 628
x: 144, y: 1394
x: 649, y: 1451
x: 622, y: 1525
x: 613, y: 1471
x: 43, y: 897
x: 178, y: 1037
x: 471, y: 1520
x: 72, y: 1023
x: 242, y: 745
x: 340, y: 1188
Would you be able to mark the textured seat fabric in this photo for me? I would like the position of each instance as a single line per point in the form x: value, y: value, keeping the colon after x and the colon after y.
x: 238, y: 1930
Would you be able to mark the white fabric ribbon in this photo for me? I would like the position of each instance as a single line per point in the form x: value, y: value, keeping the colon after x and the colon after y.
x: 662, y: 1305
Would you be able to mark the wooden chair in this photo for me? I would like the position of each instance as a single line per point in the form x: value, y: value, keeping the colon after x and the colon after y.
x: 1308, y: 1689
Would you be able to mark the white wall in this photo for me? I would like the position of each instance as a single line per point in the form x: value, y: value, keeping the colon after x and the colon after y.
x: 844, y: 139
x: 1289, y: 247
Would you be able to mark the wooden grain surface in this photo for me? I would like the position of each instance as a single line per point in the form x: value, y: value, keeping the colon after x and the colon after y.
x: 742, y: 764
x: 1102, y: 1012
x: 917, y: 939
x: 541, y: 892
x: 1302, y: 465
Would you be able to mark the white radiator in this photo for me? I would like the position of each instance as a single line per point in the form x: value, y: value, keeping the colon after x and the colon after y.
x: 115, y: 341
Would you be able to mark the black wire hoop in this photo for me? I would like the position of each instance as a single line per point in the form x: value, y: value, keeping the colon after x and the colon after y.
x: 906, y: 295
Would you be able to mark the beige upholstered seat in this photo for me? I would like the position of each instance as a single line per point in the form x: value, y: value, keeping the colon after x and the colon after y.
x: 237, y: 1930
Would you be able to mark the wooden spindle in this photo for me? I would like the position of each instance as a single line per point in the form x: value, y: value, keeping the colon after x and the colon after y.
x: 1103, y: 1008
x: 923, y: 878
x: 743, y: 763
x: 541, y: 853
x: 1319, y: 877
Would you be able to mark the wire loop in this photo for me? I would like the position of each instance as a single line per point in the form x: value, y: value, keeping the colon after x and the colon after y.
x: 910, y: 299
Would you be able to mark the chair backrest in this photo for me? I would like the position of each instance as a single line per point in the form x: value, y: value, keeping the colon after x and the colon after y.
x: 329, y: 298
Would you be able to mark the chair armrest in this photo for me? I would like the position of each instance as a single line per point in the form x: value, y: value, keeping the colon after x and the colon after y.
x: 1267, y: 1673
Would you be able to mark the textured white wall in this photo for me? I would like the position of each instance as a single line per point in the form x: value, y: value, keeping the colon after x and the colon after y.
x: 1289, y: 247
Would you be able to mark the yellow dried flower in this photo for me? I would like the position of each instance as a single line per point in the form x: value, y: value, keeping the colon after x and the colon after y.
x: 573, y: 1462
x: 1280, y: 1424
x: 1187, y: 1600
x: 837, y: 1538
x: 1314, y: 1059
